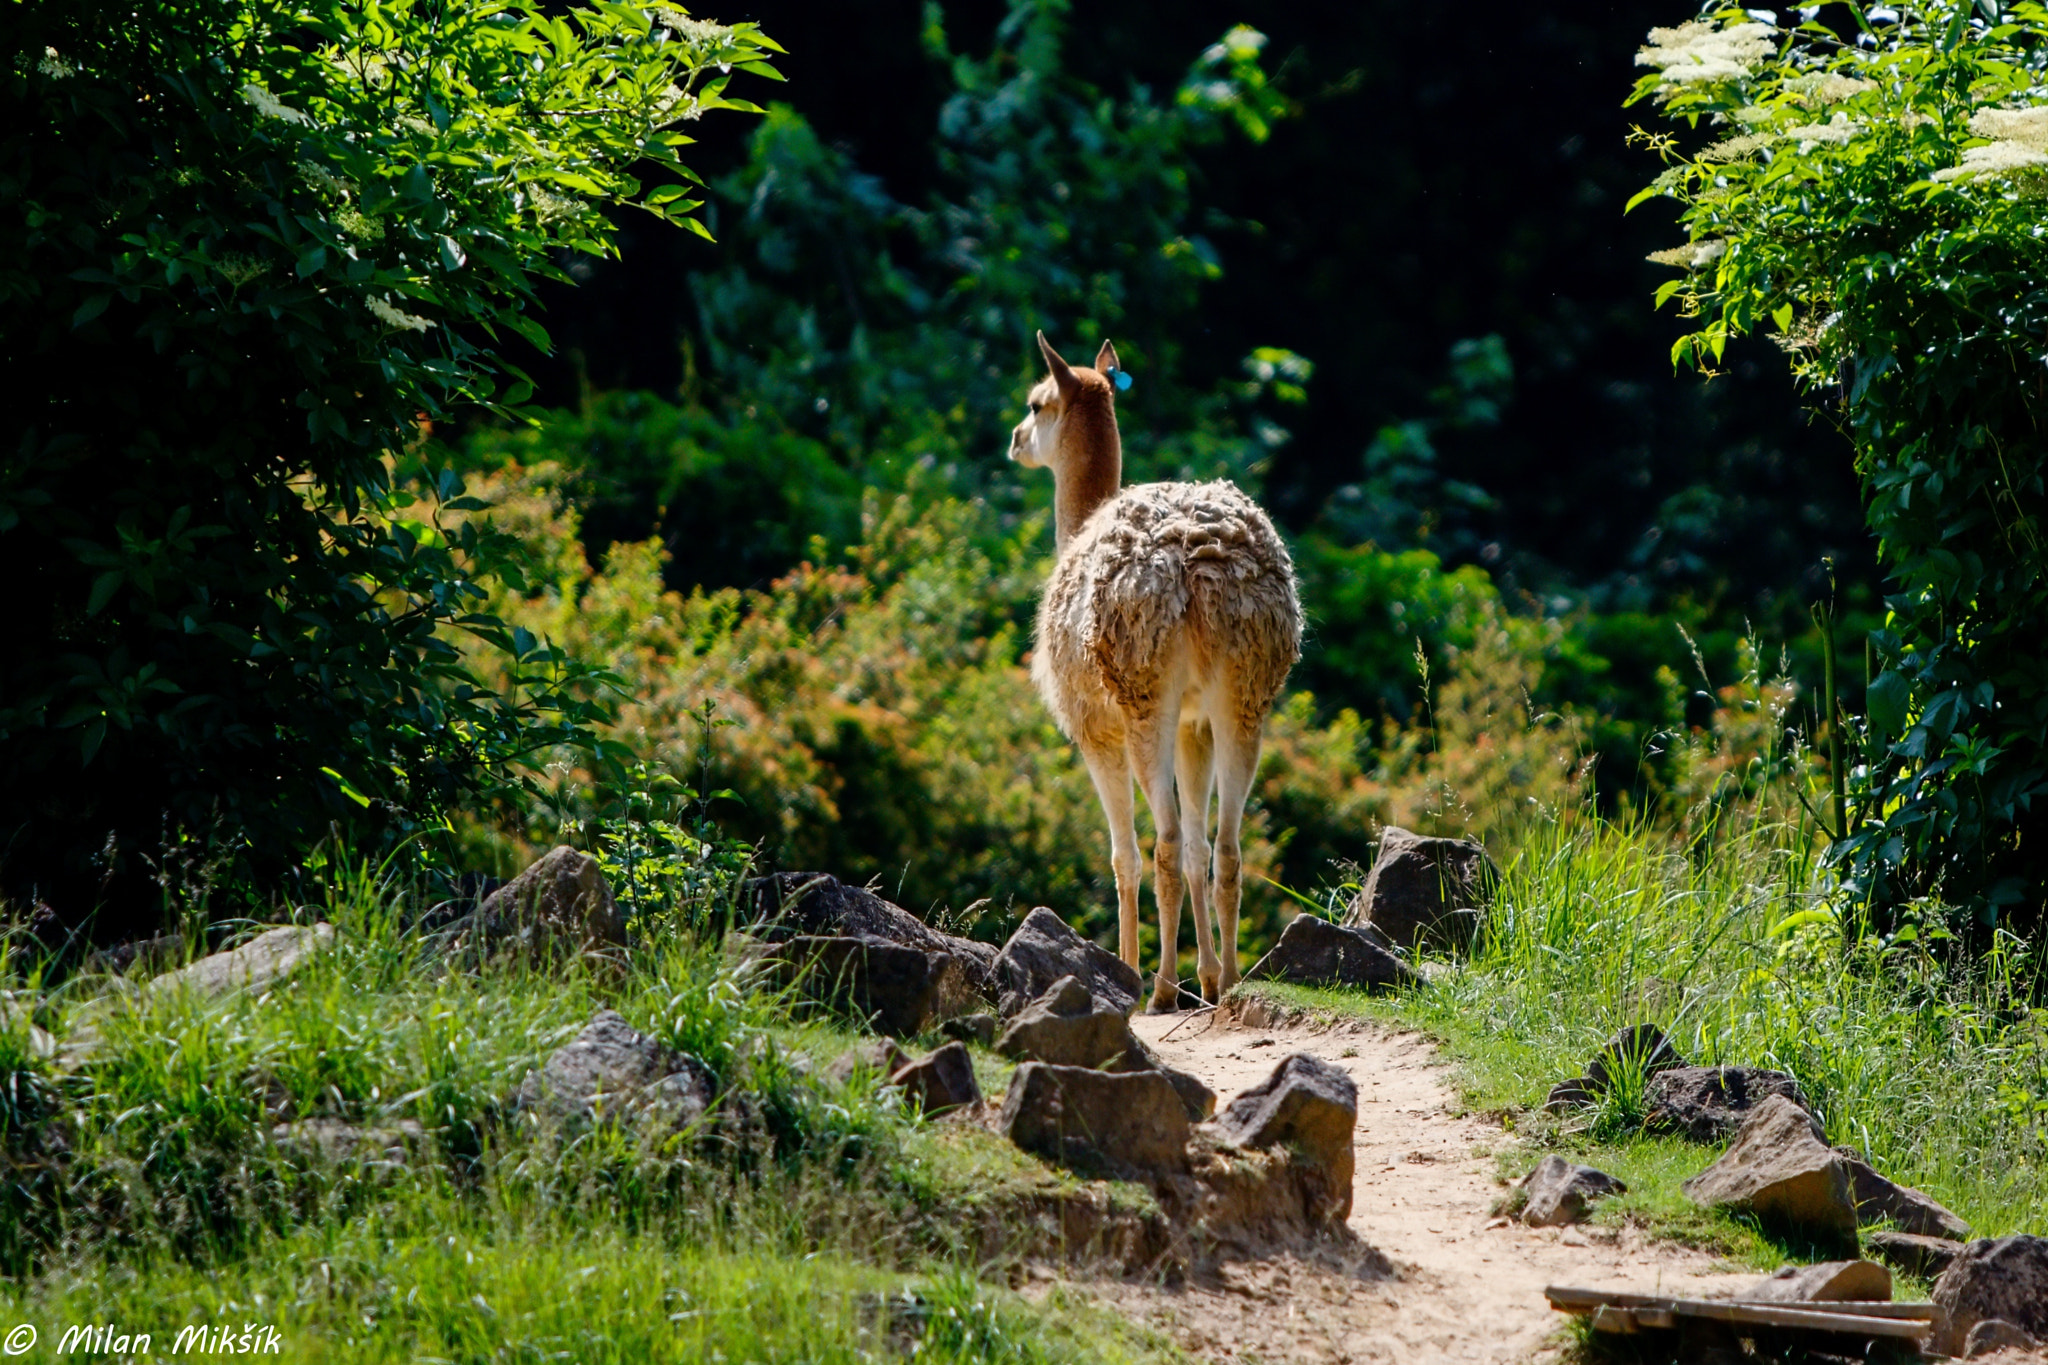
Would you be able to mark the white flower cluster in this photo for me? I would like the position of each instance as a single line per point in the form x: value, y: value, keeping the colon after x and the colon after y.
x: 700, y: 31
x: 270, y: 106
x: 1836, y: 130
x: 1829, y: 88
x: 53, y: 66
x: 2019, y: 143
x: 391, y: 317
x: 1697, y: 51
x: 1692, y: 255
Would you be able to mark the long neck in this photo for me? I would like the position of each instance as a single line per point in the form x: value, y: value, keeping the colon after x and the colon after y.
x: 1091, y: 468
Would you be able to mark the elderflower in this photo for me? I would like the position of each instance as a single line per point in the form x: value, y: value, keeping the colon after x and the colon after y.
x: 1697, y: 51
x: 391, y: 317
x: 1836, y: 130
x: 1692, y: 255
x: 1828, y: 88
x: 270, y: 106
x: 1737, y: 147
x: 701, y: 31
x: 1997, y: 158
x: 53, y: 66
x: 2027, y: 127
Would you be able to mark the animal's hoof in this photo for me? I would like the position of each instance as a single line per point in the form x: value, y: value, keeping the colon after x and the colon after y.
x: 1212, y: 991
x: 1165, y: 997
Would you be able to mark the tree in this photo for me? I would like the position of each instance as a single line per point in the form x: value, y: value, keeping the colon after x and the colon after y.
x: 1874, y: 196
x: 252, y: 250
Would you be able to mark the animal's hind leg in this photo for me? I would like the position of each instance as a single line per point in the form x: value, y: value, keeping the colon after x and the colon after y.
x: 1151, y: 745
x: 1192, y: 777
x: 1110, y: 767
x: 1237, y: 760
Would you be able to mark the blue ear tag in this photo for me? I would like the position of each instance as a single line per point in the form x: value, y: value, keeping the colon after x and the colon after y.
x: 1120, y: 377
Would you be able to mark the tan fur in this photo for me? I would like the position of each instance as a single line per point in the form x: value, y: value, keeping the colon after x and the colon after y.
x: 1167, y: 631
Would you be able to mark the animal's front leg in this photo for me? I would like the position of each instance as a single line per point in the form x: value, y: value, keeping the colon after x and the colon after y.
x: 1152, y: 755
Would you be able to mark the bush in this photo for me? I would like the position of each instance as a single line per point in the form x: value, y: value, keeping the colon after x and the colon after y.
x: 1876, y: 201
x: 258, y: 241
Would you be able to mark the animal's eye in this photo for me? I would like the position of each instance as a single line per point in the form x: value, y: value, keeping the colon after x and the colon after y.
x: 1036, y: 406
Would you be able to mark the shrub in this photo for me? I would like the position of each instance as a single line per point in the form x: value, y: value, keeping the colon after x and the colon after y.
x: 1874, y: 197
x: 258, y: 241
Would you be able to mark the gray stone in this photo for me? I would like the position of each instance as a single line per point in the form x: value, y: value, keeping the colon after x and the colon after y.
x: 1878, y: 1200
x: 1065, y: 1026
x: 1642, y: 1049
x: 1558, y: 1191
x: 1128, y: 1123
x: 941, y: 1081
x: 559, y: 902
x: 1196, y: 1098
x: 1779, y: 1168
x: 2005, y: 1277
x: 1825, y: 1282
x: 1926, y: 1257
x: 1308, y: 1104
x: 1565, y: 1096
x: 979, y: 1029
x: 875, y: 1056
x: 611, y: 1070
x: 1993, y: 1335
x: 257, y: 965
x: 1425, y: 892
x: 885, y: 986
x: 1314, y: 952
x: 816, y: 904
x: 338, y: 1143
x: 1043, y: 950
x: 1708, y: 1103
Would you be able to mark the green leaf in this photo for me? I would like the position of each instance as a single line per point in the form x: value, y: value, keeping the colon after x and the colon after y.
x: 103, y: 589
x: 94, y: 305
x: 1887, y: 702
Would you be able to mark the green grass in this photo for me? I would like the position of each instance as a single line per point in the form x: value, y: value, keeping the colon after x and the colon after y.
x: 828, y: 1227
x: 1937, y: 1071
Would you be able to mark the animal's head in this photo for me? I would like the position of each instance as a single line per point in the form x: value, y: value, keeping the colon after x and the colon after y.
x: 1070, y: 409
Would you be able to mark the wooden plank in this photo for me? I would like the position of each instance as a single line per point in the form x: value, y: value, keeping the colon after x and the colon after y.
x: 1650, y: 1310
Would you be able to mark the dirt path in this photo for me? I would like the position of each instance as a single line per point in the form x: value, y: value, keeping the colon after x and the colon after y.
x: 1464, y: 1287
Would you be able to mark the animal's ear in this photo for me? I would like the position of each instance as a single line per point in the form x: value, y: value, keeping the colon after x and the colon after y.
x: 1105, y: 359
x: 1062, y: 373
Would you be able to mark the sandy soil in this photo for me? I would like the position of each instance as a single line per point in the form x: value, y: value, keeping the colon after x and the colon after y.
x: 1463, y: 1285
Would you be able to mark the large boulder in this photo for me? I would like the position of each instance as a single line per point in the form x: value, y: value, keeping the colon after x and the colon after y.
x: 1780, y: 1169
x: 940, y: 1081
x: 1128, y: 1123
x: 1043, y: 950
x: 1558, y: 1191
x: 1708, y: 1103
x: 1926, y: 1257
x: 875, y: 1056
x: 1996, y: 1336
x: 560, y: 902
x: 1314, y: 952
x: 335, y: 1142
x: 816, y: 904
x: 1065, y: 1026
x: 1425, y: 892
x: 1878, y: 1200
x: 1638, y: 1050
x: 611, y: 1070
x: 2004, y: 1278
x: 1309, y: 1105
x: 1824, y: 1282
x: 257, y: 965
x: 885, y: 986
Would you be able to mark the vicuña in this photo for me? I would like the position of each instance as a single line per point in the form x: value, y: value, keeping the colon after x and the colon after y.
x: 1168, y: 627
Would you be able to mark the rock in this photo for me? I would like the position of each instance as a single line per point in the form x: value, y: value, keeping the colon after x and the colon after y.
x: 1065, y: 1026
x: 885, y: 986
x: 940, y: 1081
x: 2005, y: 1278
x: 816, y: 904
x: 876, y: 1056
x: 1779, y: 1169
x: 1826, y: 1282
x: 1926, y: 1257
x: 611, y: 1070
x: 1708, y: 1103
x: 1043, y: 950
x: 1314, y: 952
x: 979, y: 1029
x: 1643, y: 1049
x: 1993, y: 1335
x: 1558, y: 1191
x: 257, y: 965
x: 1422, y: 892
x: 1566, y: 1096
x: 560, y: 901
x: 152, y: 955
x: 1196, y: 1098
x: 1308, y: 1104
x: 335, y: 1142
x: 1130, y: 1123
x: 1880, y: 1201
